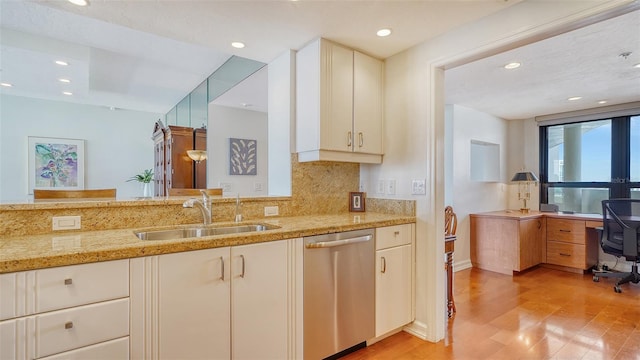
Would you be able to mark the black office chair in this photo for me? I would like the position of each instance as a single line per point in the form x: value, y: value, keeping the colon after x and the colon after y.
x: 620, y: 236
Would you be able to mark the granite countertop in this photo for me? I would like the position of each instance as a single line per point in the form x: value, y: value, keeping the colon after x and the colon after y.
x: 28, y: 252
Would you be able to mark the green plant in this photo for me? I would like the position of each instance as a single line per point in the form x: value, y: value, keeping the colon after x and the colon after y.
x: 145, y: 177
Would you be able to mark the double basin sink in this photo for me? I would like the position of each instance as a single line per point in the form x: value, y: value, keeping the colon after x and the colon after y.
x: 201, y: 231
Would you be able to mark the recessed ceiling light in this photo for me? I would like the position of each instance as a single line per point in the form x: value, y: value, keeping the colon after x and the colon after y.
x: 602, y: 102
x: 62, y: 63
x: 574, y: 98
x: 237, y: 44
x: 79, y: 2
x: 383, y: 32
x: 512, y: 65
x: 64, y: 80
x: 636, y: 65
x: 67, y: 93
x: 6, y: 84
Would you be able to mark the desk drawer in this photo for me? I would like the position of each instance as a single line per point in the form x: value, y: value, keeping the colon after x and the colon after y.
x: 572, y: 231
x: 69, y: 329
x: 566, y: 254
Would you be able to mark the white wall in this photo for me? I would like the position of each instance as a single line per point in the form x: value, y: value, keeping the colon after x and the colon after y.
x: 414, y: 144
x: 118, y: 143
x: 224, y: 123
x: 523, y: 153
x: 475, y: 196
x: 282, y: 91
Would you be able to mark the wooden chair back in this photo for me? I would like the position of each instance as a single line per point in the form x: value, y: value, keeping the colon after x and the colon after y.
x: 194, y: 192
x: 40, y: 194
x: 450, y: 221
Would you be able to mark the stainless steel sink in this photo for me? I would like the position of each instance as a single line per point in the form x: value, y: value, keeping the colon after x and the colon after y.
x: 195, y: 232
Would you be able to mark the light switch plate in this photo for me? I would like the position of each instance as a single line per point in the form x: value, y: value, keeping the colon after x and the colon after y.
x: 418, y: 187
x: 391, y: 187
x: 66, y: 222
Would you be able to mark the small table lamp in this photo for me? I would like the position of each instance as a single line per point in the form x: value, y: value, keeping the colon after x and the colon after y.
x: 524, y: 180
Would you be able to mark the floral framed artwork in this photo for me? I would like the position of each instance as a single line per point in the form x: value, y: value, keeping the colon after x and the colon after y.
x: 55, y: 163
x: 356, y: 201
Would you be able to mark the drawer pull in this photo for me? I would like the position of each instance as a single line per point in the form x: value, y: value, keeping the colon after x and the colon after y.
x: 68, y: 281
x: 68, y: 325
x: 222, y: 266
x: 565, y: 231
x: 384, y: 265
x: 396, y: 233
x: 563, y: 254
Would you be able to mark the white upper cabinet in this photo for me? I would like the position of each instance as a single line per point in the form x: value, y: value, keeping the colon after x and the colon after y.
x: 339, y: 104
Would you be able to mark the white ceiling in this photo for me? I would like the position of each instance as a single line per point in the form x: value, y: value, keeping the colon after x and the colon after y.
x: 585, y: 62
x: 147, y: 55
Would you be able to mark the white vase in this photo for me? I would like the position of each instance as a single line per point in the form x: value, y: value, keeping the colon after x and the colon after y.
x: 147, y: 190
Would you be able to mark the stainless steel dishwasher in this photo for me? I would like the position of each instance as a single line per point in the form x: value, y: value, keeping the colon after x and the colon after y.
x: 339, y: 304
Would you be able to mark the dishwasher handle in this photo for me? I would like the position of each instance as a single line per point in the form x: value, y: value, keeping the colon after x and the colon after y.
x: 327, y: 244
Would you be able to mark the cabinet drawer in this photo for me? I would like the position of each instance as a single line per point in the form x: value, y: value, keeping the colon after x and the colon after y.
x: 566, y: 230
x: 566, y: 254
x: 114, y: 349
x: 67, y: 286
x: 69, y: 329
x: 391, y: 236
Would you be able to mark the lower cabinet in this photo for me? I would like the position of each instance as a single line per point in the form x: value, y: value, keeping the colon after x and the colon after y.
x: 506, y: 244
x: 222, y: 303
x: 394, y: 278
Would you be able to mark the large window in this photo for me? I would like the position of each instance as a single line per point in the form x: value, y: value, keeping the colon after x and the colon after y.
x: 583, y: 163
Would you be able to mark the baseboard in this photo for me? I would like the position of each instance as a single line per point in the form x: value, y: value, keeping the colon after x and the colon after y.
x: 417, y: 329
x: 462, y: 265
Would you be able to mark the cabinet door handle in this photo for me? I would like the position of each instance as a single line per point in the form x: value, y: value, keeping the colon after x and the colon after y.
x: 68, y: 281
x: 360, y: 139
x: 68, y: 325
x: 383, y: 265
x: 222, y: 268
x: 242, y: 274
x: 349, y: 139
x: 563, y: 254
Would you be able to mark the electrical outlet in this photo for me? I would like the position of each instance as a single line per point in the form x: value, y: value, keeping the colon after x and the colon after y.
x: 418, y: 187
x: 66, y: 222
x: 380, y: 187
x: 270, y: 211
x: 257, y: 186
x: 391, y: 187
x: 226, y: 187
x: 362, y: 187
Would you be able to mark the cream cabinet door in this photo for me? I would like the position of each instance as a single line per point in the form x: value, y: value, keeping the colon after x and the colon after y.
x: 368, y: 74
x: 193, y: 305
x: 393, y: 288
x: 336, y: 97
x: 259, y: 307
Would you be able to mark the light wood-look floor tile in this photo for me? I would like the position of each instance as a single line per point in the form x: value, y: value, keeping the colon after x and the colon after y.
x: 540, y: 314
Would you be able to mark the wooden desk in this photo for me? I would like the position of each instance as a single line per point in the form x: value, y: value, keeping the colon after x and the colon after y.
x: 510, y: 241
x: 449, y: 241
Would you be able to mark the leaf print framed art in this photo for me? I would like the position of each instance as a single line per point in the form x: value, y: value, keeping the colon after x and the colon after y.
x: 243, y: 157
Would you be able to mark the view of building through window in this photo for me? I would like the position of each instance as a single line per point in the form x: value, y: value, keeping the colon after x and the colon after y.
x: 587, y: 162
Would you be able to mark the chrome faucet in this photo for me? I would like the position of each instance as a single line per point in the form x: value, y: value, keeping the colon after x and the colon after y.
x: 204, y: 205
